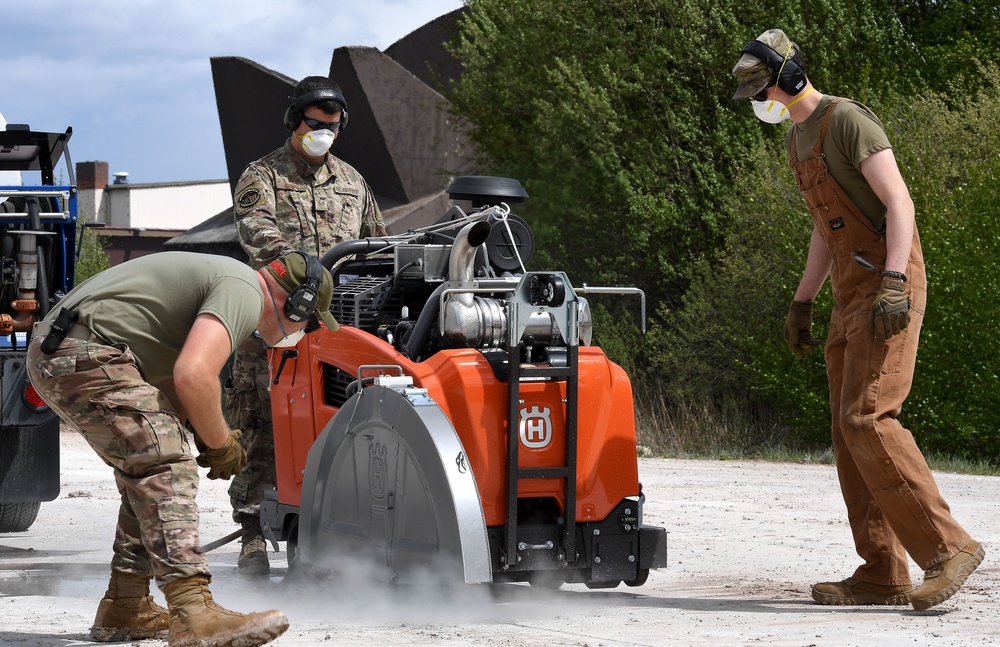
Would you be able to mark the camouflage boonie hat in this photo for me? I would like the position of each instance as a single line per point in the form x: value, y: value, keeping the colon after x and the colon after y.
x: 291, y: 272
x: 752, y: 73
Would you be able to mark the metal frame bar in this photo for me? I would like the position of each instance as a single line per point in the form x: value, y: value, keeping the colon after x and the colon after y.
x: 571, y: 374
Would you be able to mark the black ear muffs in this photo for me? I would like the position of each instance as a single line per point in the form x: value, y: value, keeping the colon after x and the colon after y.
x: 293, y: 114
x: 301, y: 302
x: 792, y: 78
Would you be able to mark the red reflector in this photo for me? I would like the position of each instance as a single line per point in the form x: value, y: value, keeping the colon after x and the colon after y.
x: 34, y: 400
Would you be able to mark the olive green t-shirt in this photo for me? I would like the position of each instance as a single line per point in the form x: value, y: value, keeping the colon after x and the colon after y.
x: 151, y: 302
x: 854, y: 134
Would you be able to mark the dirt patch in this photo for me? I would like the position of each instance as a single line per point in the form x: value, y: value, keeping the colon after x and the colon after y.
x: 747, y: 540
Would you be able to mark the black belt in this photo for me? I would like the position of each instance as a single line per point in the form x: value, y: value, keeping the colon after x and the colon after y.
x: 76, y: 331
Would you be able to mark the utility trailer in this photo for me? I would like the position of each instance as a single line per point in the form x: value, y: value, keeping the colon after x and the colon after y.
x: 37, y: 236
x: 459, y: 424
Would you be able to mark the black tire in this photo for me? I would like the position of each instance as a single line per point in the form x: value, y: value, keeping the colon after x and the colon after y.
x: 546, y: 580
x: 292, y: 544
x: 18, y: 517
x: 640, y: 578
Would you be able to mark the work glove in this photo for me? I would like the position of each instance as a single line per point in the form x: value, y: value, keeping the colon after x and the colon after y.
x: 798, y: 328
x: 226, y: 461
x: 890, y: 310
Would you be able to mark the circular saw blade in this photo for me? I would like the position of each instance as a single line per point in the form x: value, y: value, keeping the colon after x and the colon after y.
x: 388, y: 494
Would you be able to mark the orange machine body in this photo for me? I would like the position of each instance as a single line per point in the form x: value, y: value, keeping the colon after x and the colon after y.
x: 464, y: 386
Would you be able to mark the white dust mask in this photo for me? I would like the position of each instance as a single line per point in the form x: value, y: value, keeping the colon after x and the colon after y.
x: 772, y: 111
x: 317, y: 142
x: 290, y: 340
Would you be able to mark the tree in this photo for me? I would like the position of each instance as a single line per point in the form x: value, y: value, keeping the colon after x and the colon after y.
x: 617, y: 118
x: 954, y: 38
x: 92, y: 259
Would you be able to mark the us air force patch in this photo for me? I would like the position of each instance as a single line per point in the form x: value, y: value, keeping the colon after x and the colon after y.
x: 248, y: 197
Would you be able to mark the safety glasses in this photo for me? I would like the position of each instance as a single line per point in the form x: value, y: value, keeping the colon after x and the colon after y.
x: 762, y: 95
x: 333, y: 126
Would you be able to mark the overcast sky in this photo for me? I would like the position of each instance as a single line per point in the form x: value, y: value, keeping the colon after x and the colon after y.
x: 133, y: 77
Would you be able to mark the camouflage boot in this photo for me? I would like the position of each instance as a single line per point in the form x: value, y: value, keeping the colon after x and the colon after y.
x: 127, y: 611
x: 253, y: 555
x: 197, y: 621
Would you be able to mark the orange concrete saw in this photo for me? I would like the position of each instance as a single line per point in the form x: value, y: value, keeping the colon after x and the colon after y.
x: 459, y: 423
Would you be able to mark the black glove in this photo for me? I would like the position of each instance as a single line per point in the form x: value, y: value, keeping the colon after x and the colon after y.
x: 890, y: 310
x: 798, y: 328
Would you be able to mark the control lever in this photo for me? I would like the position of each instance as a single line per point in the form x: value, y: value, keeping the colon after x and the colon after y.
x: 285, y: 355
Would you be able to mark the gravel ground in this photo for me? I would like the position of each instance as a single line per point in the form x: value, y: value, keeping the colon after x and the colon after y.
x: 747, y: 539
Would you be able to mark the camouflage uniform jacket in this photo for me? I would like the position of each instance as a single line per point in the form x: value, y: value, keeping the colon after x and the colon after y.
x: 282, y: 204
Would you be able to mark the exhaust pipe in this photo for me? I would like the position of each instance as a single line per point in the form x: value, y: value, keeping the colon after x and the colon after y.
x: 460, y: 307
x: 476, y: 322
x: 471, y: 321
x: 463, y: 251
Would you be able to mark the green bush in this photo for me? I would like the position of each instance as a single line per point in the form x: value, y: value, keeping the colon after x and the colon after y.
x: 726, y: 340
x: 727, y: 337
x: 93, y: 259
x: 617, y: 119
x: 949, y: 158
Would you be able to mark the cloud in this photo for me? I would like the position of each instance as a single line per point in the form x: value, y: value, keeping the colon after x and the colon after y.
x: 134, y: 80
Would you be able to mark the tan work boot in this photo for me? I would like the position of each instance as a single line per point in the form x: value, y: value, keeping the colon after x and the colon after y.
x: 127, y: 611
x: 197, y: 621
x: 253, y: 554
x: 943, y: 580
x: 855, y: 592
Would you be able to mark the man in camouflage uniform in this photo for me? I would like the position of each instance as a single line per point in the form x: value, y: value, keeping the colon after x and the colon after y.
x: 131, y: 359
x: 298, y: 198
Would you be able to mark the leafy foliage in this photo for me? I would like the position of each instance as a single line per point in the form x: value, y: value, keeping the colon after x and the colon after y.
x: 951, y: 158
x: 93, y: 259
x: 616, y: 116
x: 728, y: 338
x: 956, y: 37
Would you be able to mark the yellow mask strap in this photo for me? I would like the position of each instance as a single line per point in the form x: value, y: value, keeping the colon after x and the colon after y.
x: 780, y: 70
x: 799, y: 98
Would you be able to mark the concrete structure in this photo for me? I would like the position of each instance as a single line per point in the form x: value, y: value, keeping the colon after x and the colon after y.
x: 401, y: 137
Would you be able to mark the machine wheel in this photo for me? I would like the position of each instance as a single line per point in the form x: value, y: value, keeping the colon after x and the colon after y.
x: 556, y: 293
x: 640, y: 578
x: 292, y: 544
x: 546, y: 580
x: 18, y: 517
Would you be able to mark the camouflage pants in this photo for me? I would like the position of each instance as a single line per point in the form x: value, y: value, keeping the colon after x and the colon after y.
x: 97, y: 389
x: 248, y: 407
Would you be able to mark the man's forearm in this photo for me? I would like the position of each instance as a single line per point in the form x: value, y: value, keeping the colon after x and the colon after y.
x: 200, y: 400
x: 899, y: 228
x: 818, y: 265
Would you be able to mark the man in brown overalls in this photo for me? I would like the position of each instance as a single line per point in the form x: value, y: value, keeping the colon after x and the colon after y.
x: 865, y: 239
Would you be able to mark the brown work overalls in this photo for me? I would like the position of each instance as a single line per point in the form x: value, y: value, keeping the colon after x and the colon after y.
x: 893, y: 503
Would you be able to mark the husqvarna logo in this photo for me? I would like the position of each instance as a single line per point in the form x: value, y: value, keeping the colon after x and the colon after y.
x: 377, y: 473
x: 535, y: 427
